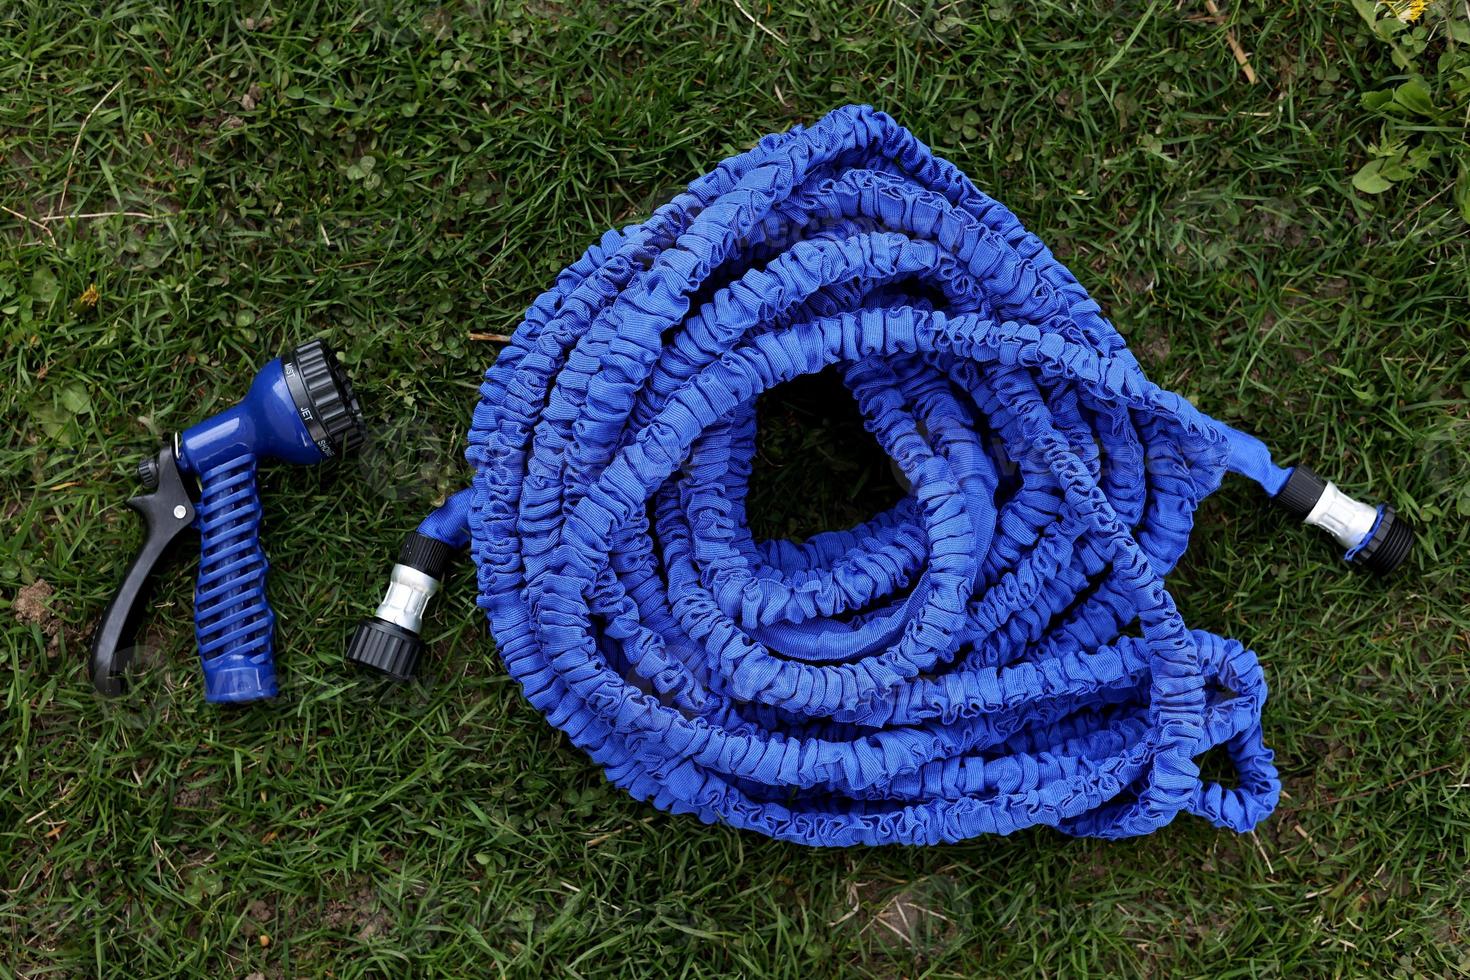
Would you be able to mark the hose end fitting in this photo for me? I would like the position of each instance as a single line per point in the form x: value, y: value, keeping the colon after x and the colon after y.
x: 1375, y: 537
x: 385, y: 647
x: 388, y: 641
x: 1388, y: 545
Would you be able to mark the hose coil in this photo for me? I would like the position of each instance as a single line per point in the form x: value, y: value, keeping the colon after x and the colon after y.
x: 997, y: 651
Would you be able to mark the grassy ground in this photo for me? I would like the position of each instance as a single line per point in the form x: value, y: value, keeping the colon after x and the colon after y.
x: 398, y: 177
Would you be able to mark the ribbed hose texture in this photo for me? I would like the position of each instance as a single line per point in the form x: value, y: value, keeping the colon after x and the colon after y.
x: 997, y: 651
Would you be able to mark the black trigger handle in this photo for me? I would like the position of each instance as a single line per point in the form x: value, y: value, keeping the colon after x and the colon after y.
x: 166, y: 511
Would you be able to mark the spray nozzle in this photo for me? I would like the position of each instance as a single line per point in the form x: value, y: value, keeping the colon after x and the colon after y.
x: 301, y: 409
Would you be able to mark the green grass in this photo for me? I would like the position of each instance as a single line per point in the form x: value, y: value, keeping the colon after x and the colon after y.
x: 397, y: 177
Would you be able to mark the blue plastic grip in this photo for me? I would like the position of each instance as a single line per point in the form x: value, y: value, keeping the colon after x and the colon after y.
x: 233, y: 622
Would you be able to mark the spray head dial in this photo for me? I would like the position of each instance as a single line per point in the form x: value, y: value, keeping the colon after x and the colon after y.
x: 324, y: 398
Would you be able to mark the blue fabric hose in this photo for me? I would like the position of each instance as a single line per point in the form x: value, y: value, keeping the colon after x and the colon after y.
x: 997, y: 651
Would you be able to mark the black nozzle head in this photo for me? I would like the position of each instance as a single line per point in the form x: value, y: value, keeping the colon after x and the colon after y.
x: 1390, y: 544
x: 386, y: 648
x: 324, y: 398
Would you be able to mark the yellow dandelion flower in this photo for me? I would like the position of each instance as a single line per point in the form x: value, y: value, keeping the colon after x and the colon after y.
x: 1407, y: 11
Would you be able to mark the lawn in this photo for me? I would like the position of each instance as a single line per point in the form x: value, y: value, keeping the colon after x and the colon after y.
x: 189, y: 191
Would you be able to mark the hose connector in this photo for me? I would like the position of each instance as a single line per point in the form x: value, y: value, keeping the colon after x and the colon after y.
x: 389, y: 641
x: 1376, y: 537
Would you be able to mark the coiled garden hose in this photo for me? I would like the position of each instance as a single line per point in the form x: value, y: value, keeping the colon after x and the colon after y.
x: 999, y: 650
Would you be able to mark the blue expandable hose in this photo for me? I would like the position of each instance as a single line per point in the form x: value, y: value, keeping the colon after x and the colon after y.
x: 997, y: 651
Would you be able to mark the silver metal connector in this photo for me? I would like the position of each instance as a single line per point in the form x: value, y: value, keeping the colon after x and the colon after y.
x: 409, y: 592
x: 1349, y: 521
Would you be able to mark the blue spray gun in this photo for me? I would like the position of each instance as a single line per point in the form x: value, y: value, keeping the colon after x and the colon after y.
x: 300, y: 409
